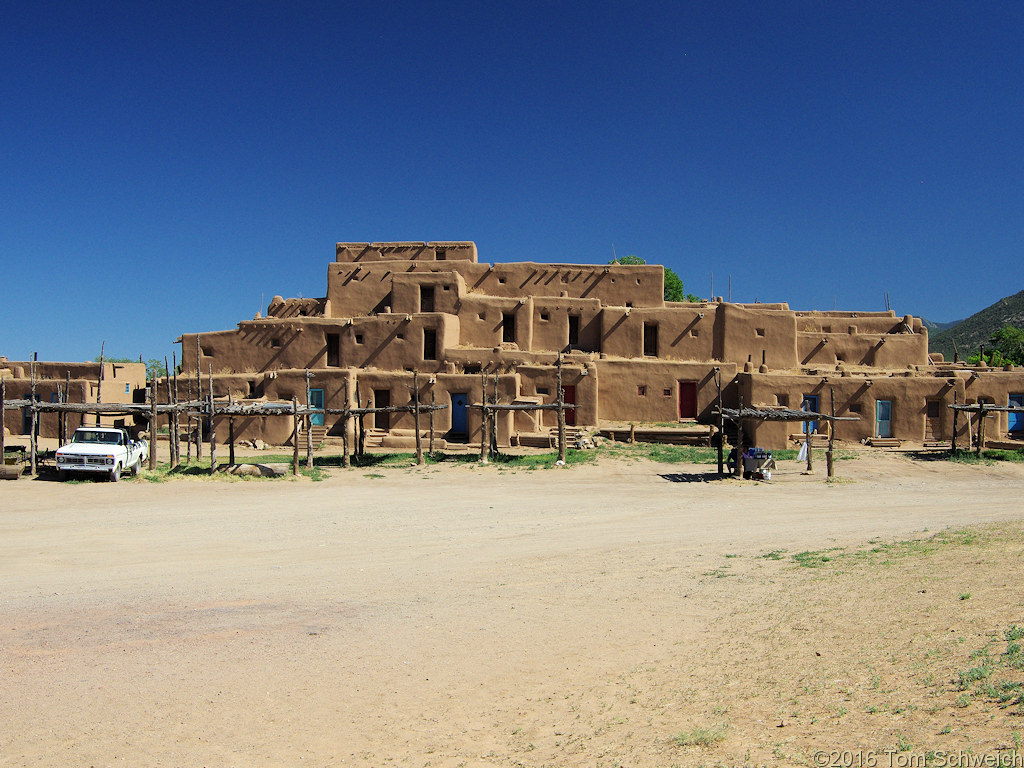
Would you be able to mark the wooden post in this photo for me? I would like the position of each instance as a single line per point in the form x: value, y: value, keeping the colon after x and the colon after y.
x: 416, y: 416
x: 360, y: 425
x: 431, y: 419
x: 152, y: 425
x: 231, y: 432
x: 170, y: 415
x: 494, y: 416
x: 831, y: 433
x: 807, y: 442
x: 309, y: 424
x: 99, y: 381
x: 34, y: 417
x: 981, y: 427
x: 213, y: 428
x: 738, y: 469
x: 721, y: 421
x: 632, y: 433
x: 483, y: 417
x: 199, y: 397
x: 295, y: 435
x: 345, y: 461
x: 561, y: 410
x: 188, y: 441
x: 956, y: 418
x: 177, y: 418
x: 3, y: 418
x: 67, y: 399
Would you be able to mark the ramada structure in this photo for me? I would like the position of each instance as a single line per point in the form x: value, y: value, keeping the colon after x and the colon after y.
x: 627, y: 355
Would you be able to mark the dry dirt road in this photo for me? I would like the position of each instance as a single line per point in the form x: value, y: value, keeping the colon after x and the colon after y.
x: 618, y: 614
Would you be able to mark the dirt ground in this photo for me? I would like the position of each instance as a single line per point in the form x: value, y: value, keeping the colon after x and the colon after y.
x: 625, y: 613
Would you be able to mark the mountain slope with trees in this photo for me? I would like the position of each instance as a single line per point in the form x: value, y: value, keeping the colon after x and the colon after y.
x: 979, y: 329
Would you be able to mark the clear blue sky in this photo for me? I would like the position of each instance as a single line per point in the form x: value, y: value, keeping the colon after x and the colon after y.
x: 164, y: 165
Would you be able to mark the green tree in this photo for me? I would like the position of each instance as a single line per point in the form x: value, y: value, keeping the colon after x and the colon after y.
x: 674, y: 289
x: 154, y: 367
x: 1007, y: 346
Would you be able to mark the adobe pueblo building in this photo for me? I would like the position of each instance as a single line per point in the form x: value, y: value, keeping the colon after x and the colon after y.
x: 393, y: 309
x: 53, y: 382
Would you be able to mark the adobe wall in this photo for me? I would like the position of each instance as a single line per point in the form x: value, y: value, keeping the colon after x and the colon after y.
x: 685, y: 332
x: 550, y: 324
x: 648, y: 390
x: 122, y: 383
x: 856, y: 395
x: 405, y: 251
x: 758, y: 336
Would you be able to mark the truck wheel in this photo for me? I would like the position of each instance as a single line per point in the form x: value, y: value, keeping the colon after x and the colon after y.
x: 115, y: 474
x: 133, y: 470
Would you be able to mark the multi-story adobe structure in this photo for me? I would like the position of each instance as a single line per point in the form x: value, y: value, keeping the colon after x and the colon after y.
x: 75, y: 383
x: 629, y: 356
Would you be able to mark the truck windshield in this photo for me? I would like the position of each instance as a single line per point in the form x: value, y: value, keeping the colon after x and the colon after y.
x: 95, y: 436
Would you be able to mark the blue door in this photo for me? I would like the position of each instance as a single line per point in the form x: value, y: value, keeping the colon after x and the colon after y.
x: 883, y: 418
x: 459, y: 401
x: 316, y: 400
x: 810, y: 404
x: 1015, y: 421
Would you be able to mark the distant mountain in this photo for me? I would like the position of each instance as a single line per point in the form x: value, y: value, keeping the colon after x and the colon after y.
x: 976, y: 330
x: 934, y: 327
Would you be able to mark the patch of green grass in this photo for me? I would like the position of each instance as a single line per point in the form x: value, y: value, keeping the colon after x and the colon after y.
x: 662, y: 452
x: 810, y: 559
x: 775, y: 554
x: 988, y: 456
x: 374, y: 475
x: 965, y: 595
x: 699, y: 737
x: 886, y: 552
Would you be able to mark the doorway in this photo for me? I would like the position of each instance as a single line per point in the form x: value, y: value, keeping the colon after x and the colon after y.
x: 933, y: 420
x: 687, y: 399
x: 810, y: 404
x: 382, y: 399
x: 1015, y: 421
x: 316, y: 400
x: 883, y: 418
x: 569, y: 398
x: 459, y: 429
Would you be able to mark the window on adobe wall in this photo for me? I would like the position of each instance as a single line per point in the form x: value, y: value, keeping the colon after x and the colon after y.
x: 275, y: 342
x: 542, y: 390
x: 441, y: 255
x: 208, y: 351
x: 782, y: 400
x: 695, y: 332
x: 429, y: 344
x: 508, y: 327
x: 544, y: 316
x: 826, y: 329
x: 574, y: 330
x: 760, y: 331
x: 359, y: 338
x: 333, y: 349
x: 933, y: 409
x: 666, y: 392
x: 426, y: 298
x: 650, y: 339
x: 641, y: 390
x: 855, y: 408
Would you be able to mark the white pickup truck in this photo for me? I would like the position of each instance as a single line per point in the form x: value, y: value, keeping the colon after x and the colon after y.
x: 101, y: 449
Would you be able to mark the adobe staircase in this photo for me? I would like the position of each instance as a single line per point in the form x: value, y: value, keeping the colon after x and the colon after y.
x: 319, y: 434
x: 549, y: 439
